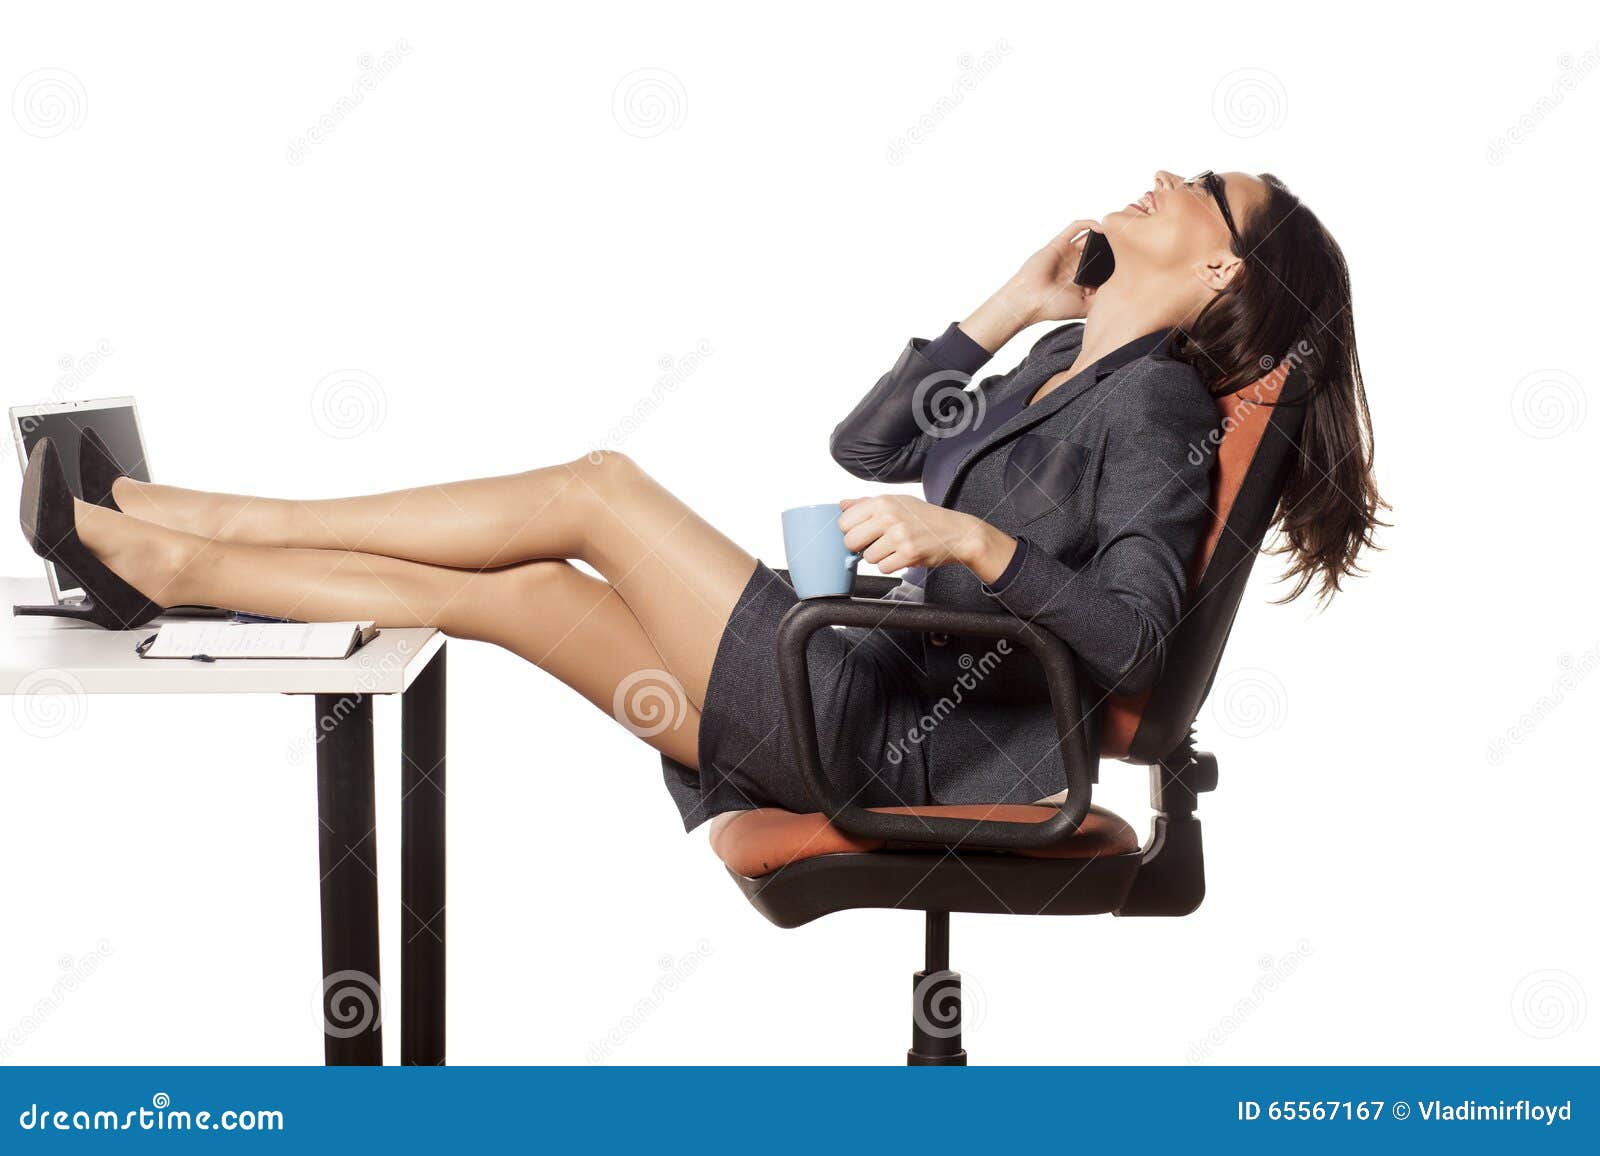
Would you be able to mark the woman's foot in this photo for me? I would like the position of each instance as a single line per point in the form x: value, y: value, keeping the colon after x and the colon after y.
x: 49, y: 522
x: 98, y: 470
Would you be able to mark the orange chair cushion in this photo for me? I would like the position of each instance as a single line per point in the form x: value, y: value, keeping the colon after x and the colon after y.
x: 754, y: 843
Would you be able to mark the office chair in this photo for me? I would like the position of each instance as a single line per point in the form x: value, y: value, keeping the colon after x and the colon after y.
x: 1064, y: 857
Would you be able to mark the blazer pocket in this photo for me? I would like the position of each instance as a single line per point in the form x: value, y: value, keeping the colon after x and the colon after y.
x: 1042, y: 473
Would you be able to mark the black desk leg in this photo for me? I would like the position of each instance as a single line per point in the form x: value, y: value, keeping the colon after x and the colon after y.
x: 422, y: 902
x: 352, y: 997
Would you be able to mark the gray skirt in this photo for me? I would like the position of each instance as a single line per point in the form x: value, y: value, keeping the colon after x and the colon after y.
x: 867, y: 690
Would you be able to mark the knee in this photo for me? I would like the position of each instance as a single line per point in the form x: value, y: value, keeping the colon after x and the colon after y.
x: 607, y: 471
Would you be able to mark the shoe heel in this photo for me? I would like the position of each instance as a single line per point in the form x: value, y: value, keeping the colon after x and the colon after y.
x: 80, y: 611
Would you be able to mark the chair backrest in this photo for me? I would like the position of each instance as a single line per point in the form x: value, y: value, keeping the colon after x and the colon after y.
x: 1254, y: 452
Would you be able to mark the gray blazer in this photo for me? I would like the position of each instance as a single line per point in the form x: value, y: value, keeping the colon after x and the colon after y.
x: 1105, y: 483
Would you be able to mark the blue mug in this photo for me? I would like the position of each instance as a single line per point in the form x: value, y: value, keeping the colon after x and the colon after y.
x: 819, y: 565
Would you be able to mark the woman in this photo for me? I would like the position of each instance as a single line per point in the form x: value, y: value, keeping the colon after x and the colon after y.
x: 1065, y: 491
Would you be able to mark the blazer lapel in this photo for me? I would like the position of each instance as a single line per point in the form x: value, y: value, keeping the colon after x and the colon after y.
x: 1030, y: 416
x: 1048, y: 366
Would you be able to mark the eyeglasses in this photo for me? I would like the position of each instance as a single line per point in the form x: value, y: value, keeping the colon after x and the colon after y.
x: 1219, y: 193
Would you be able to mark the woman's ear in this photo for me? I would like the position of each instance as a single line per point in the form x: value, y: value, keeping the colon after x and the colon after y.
x: 1218, y: 273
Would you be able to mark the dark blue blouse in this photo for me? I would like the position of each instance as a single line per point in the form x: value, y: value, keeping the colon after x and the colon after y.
x: 954, y: 351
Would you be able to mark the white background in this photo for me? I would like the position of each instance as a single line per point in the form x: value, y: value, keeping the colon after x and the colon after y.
x: 508, y: 247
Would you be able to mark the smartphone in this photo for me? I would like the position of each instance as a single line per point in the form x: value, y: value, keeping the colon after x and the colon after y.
x: 1097, y: 264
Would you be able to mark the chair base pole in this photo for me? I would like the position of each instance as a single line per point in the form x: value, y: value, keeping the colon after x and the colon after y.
x: 936, y: 1003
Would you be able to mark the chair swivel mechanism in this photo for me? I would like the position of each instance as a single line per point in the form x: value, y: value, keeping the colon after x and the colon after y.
x: 1065, y: 857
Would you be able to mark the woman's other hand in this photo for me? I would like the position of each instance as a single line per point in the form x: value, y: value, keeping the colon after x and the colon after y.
x: 894, y: 531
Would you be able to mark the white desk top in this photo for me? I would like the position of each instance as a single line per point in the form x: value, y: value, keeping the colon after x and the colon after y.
x: 56, y: 655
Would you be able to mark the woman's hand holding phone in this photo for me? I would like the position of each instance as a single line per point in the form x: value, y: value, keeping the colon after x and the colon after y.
x: 1042, y: 290
x: 1045, y: 279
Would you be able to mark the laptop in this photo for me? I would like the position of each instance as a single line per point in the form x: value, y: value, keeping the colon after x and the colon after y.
x: 115, y: 419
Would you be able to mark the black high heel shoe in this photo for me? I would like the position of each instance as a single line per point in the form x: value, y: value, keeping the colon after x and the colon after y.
x: 48, y: 522
x: 97, y: 470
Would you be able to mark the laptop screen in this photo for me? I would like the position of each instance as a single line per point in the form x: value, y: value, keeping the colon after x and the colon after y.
x: 117, y: 425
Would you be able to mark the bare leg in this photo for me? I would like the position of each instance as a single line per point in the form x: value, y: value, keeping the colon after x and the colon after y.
x: 477, y: 523
x: 678, y: 574
x: 576, y: 627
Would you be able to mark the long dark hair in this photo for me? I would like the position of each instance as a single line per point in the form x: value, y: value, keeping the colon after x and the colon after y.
x: 1291, y: 300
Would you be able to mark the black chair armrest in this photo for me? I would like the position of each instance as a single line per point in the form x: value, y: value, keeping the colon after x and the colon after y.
x: 806, y: 618
x: 863, y: 585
